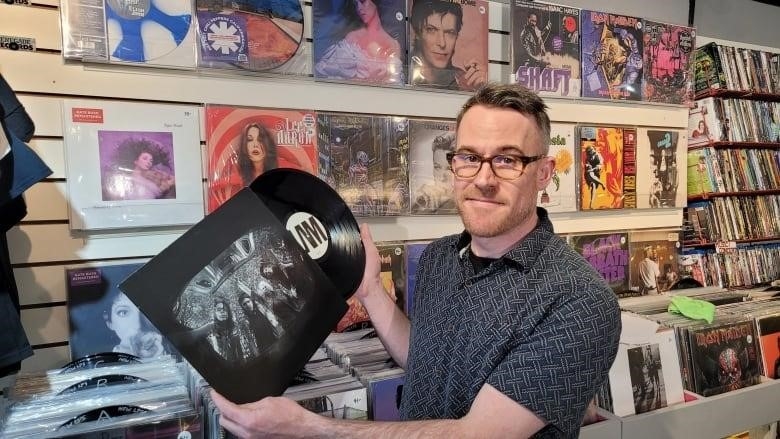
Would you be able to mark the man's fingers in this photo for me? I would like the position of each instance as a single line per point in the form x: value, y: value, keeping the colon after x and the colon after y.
x: 233, y: 427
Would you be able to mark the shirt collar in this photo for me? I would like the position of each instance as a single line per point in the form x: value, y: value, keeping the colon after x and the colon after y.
x: 527, y: 250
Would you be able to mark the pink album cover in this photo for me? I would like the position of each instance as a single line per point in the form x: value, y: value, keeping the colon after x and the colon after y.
x: 244, y: 142
x: 448, y: 43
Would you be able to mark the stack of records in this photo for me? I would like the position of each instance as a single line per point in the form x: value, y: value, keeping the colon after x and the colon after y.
x: 124, y: 398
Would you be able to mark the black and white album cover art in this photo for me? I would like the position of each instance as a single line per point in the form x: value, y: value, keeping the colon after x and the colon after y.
x: 240, y: 299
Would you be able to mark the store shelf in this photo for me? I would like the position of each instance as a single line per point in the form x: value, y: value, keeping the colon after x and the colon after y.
x: 736, y: 145
x: 712, y: 417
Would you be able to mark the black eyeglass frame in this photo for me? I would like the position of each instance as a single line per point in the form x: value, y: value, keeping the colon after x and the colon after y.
x: 525, y: 160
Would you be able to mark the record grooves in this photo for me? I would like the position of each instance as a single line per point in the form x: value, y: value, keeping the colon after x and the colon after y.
x: 288, y: 191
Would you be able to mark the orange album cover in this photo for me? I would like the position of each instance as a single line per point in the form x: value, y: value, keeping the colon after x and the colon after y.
x: 244, y: 142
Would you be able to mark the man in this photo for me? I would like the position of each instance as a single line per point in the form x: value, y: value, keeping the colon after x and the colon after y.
x: 436, y: 197
x: 437, y: 25
x: 513, y: 332
x: 649, y: 272
x: 532, y: 51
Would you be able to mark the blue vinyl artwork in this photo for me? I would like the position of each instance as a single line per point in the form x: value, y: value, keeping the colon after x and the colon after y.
x: 132, y: 17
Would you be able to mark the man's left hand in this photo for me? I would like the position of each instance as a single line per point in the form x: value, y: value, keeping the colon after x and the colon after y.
x: 476, y: 74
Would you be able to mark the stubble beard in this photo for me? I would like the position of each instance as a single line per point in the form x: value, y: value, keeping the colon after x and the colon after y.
x: 484, y: 225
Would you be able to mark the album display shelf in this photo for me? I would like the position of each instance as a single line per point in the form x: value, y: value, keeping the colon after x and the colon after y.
x: 710, y: 417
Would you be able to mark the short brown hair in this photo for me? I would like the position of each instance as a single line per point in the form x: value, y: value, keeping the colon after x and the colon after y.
x: 513, y: 97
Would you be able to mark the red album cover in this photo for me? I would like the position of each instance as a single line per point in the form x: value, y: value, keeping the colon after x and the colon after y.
x: 668, y: 51
x: 601, y: 185
x: 448, y: 43
x: 244, y: 142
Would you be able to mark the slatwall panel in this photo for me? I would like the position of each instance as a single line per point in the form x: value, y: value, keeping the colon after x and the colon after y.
x: 43, y: 245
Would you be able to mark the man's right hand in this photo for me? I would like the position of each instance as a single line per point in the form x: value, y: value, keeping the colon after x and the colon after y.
x: 371, y: 281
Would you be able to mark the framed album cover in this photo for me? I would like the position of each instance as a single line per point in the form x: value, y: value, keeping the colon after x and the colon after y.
x: 132, y: 165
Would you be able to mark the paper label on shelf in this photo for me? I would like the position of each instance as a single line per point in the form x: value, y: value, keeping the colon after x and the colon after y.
x: 725, y: 247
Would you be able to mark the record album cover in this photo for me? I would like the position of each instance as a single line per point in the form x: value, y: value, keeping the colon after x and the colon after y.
x: 132, y: 164
x: 249, y: 34
x: 608, y: 254
x: 654, y: 256
x: 386, y: 398
x: 103, y: 319
x: 244, y: 142
x: 769, y: 333
x: 612, y: 49
x: 667, y: 67
x: 560, y: 195
x: 660, y: 155
x: 602, y: 167
x: 448, y: 43
x: 413, y: 252
x: 430, y: 177
x: 724, y: 357
x: 240, y: 294
x: 352, y: 160
x: 159, y: 33
x: 361, y: 42
x: 546, y: 48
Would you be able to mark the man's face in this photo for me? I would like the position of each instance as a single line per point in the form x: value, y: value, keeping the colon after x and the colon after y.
x: 490, y: 206
x: 532, y: 20
x: 441, y: 169
x: 439, y: 35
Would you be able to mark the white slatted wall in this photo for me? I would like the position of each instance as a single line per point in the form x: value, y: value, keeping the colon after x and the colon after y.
x: 43, y: 245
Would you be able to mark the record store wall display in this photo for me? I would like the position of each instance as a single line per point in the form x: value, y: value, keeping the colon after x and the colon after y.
x: 430, y: 177
x: 251, y: 35
x: 612, y: 50
x: 654, y: 255
x: 448, y: 43
x: 244, y: 142
x: 132, y: 165
x: 159, y: 33
x: 360, y: 41
x: 608, y: 167
x: 608, y: 254
x: 102, y: 319
x: 560, y: 195
x: 256, y: 286
x: 546, y: 48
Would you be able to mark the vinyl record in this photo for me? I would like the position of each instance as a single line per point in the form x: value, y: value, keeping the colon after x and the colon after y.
x: 145, y: 30
x: 101, y: 381
x: 320, y: 222
x: 102, y: 359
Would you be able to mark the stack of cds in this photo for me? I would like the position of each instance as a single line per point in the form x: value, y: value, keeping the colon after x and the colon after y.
x: 87, y: 397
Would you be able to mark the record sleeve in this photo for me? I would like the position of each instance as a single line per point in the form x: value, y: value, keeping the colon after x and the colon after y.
x: 667, y: 67
x: 103, y: 319
x: 659, y: 171
x: 159, y: 33
x: 385, y: 398
x: 362, y: 42
x: 654, y: 256
x: 560, y: 195
x: 352, y: 160
x: 546, y: 48
x: 253, y: 35
x: 244, y: 142
x: 612, y: 49
x: 448, y: 43
x: 608, y: 254
x: 430, y: 177
x: 769, y: 333
x: 240, y: 298
x: 602, y: 167
x: 413, y: 253
x: 132, y: 165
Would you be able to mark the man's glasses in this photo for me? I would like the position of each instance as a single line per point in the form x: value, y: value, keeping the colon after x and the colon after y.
x: 504, y: 166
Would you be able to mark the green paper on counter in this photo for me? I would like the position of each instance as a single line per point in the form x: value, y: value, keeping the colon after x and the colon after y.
x: 692, y: 308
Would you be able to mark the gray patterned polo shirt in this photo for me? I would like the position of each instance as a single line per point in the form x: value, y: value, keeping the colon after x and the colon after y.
x: 538, y: 324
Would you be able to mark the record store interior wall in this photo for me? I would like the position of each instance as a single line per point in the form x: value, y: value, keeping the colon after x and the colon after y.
x: 43, y: 245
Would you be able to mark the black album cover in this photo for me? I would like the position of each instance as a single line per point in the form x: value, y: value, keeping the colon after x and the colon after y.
x: 240, y: 298
x: 724, y: 357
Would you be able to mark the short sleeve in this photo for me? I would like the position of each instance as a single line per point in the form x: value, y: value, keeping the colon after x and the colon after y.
x: 557, y: 369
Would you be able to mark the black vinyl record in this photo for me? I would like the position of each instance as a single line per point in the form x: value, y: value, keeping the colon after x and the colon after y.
x: 319, y: 220
x: 102, y: 359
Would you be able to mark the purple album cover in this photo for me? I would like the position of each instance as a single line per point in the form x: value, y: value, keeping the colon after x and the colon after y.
x: 608, y: 254
x: 362, y: 41
x: 136, y: 165
x: 386, y: 398
x: 223, y: 37
x: 413, y: 253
